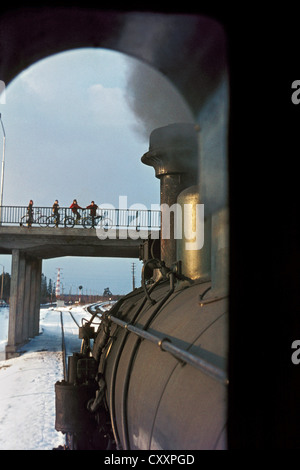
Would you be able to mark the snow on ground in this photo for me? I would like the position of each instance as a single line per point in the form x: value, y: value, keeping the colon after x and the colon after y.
x: 27, y: 396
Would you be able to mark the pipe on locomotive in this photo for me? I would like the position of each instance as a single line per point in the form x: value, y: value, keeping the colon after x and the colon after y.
x: 165, y: 344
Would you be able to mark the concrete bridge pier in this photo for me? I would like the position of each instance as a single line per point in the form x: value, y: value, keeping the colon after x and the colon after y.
x: 24, y: 301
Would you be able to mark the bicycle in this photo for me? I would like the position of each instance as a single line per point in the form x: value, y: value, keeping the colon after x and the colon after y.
x: 38, y: 218
x: 97, y: 221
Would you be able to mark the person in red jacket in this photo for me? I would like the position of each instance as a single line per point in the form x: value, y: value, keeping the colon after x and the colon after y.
x: 93, y: 211
x: 74, y: 206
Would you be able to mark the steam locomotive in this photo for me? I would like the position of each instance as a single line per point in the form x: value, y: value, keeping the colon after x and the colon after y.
x: 154, y: 373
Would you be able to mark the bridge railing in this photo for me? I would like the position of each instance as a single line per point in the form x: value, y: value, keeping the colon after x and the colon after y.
x: 113, y: 218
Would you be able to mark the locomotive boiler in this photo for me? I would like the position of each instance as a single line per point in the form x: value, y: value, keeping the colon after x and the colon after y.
x: 154, y: 374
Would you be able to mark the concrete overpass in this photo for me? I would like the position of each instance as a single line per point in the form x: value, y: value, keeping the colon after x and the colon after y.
x: 29, y: 246
x: 45, y: 243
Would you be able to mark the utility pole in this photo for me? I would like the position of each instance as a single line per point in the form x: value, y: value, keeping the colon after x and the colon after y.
x: 133, y: 276
x: 57, y: 287
x: 2, y: 171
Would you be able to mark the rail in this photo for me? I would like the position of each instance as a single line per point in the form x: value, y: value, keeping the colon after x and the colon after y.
x: 106, y: 218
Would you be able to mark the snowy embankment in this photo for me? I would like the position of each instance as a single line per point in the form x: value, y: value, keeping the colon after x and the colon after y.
x: 27, y: 397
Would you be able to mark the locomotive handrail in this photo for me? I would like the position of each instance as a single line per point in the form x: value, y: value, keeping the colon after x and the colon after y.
x: 165, y: 344
x: 141, y: 219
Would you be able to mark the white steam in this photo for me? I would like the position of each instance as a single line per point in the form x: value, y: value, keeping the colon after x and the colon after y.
x: 154, y: 100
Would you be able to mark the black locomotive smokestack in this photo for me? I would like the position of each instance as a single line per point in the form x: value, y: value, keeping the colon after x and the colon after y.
x: 173, y: 152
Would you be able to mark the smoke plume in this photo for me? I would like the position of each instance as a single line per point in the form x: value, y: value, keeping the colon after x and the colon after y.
x: 154, y: 100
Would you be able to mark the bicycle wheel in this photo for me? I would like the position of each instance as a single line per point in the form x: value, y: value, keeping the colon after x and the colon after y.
x: 87, y: 222
x: 50, y: 221
x: 23, y: 220
x: 42, y: 220
x: 69, y: 222
x: 105, y: 223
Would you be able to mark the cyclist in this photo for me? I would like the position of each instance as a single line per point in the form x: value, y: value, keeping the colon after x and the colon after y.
x: 93, y: 211
x: 55, y: 212
x: 74, y: 206
x: 30, y: 213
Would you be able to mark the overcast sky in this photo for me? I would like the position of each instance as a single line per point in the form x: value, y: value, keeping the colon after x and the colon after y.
x: 77, y: 124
